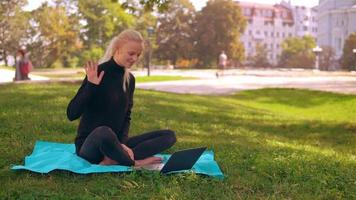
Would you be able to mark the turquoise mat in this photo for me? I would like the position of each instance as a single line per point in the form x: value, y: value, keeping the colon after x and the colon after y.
x: 49, y: 156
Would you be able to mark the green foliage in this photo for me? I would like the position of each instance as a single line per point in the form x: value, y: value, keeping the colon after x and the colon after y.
x: 148, y: 5
x: 104, y: 20
x: 13, y: 26
x: 94, y: 53
x: 327, y: 58
x: 55, y: 38
x: 297, y: 52
x: 260, y: 58
x: 145, y: 20
x: 175, y: 32
x: 348, y: 59
x: 218, y: 27
x: 270, y: 144
x: 74, y: 62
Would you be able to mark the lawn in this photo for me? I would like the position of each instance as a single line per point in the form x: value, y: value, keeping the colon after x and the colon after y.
x: 270, y: 144
x: 76, y: 74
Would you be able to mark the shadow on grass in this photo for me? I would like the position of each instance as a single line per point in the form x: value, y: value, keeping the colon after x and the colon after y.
x: 264, y: 154
x: 294, y: 97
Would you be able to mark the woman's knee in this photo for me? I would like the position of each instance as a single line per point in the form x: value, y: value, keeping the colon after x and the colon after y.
x: 104, y: 132
x: 171, y: 136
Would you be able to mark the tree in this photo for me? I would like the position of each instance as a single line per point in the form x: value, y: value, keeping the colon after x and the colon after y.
x: 148, y: 5
x: 55, y: 37
x: 144, y: 20
x: 260, y: 57
x: 13, y: 26
x: 327, y: 58
x: 219, y: 26
x: 175, y: 32
x: 104, y: 19
x: 297, y: 52
x: 348, y: 59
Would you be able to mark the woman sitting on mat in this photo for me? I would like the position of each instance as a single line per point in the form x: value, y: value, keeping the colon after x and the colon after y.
x: 104, y: 102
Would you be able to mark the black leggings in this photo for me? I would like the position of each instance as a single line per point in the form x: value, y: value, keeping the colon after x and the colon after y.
x: 102, y: 141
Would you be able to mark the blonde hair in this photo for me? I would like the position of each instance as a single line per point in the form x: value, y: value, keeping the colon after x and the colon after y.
x: 116, y: 43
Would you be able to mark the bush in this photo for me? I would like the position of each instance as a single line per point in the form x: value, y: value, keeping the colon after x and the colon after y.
x: 185, y: 63
x: 93, y: 53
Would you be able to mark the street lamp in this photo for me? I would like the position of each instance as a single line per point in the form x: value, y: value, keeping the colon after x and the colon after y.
x: 317, y: 50
x: 150, y: 31
x: 354, y: 51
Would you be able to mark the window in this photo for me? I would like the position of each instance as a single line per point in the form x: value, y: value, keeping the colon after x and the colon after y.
x: 285, y: 14
x: 283, y: 35
x: 305, y: 28
x: 249, y: 44
x: 290, y: 34
x: 250, y: 32
x: 257, y: 13
x: 277, y: 34
x: 272, y: 34
x: 266, y: 33
x: 258, y: 32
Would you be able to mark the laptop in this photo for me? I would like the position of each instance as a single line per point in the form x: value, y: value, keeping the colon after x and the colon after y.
x: 180, y: 160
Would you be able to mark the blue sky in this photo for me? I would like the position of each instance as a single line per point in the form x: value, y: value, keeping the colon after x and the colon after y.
x: 33, y: 4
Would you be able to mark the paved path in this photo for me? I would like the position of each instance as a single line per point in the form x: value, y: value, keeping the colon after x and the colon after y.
x: 7, y: 76
x: 236, y: 80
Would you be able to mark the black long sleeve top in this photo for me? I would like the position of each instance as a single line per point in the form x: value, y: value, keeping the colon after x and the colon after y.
x: 105, y: 104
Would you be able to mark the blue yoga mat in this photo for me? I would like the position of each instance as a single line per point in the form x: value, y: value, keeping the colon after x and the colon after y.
x: 49, y: 156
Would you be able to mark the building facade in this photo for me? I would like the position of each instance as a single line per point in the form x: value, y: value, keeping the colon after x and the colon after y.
x: 336, y: 21
x: 269, y: 25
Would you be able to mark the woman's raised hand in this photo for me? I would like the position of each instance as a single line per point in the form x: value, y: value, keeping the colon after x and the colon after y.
x: 91, y: 69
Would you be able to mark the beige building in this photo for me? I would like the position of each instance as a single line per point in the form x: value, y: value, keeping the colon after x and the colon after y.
x: 269, y: 25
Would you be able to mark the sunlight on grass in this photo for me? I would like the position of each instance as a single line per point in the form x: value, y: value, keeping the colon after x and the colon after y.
x: 315, y: 150
x: 270, y: 144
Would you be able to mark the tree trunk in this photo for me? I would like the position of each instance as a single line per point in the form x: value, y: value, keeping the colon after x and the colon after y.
x: 5, y: 58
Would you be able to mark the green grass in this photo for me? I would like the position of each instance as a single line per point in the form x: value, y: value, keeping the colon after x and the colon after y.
x: 80, y: 75
x: 270, y: 144
x: 142, y: 79
x: 7, y: 67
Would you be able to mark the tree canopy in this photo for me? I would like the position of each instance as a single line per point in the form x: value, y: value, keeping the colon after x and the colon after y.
x: 218, y: 27
x: 297, y: 52
x: 348, y: 60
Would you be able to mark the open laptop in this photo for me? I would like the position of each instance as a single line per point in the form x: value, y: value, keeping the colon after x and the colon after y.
x: 180, y: 160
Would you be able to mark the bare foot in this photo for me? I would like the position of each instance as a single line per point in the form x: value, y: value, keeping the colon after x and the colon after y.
x: 107, y: 161
x: 148, y: 161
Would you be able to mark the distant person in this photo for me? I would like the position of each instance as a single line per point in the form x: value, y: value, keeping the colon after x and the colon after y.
x: 104, y: 102
x: 26, y: 66
x: 23, y: 65
x: 20, y: 54
x: 222, y: 64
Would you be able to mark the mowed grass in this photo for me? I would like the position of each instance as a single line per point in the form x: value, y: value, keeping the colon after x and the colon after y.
x: 80, y: 75
x: 270, y: 144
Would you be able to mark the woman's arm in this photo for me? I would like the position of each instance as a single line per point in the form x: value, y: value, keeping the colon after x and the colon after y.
x: 126, y: 125
x: 77, y: 105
